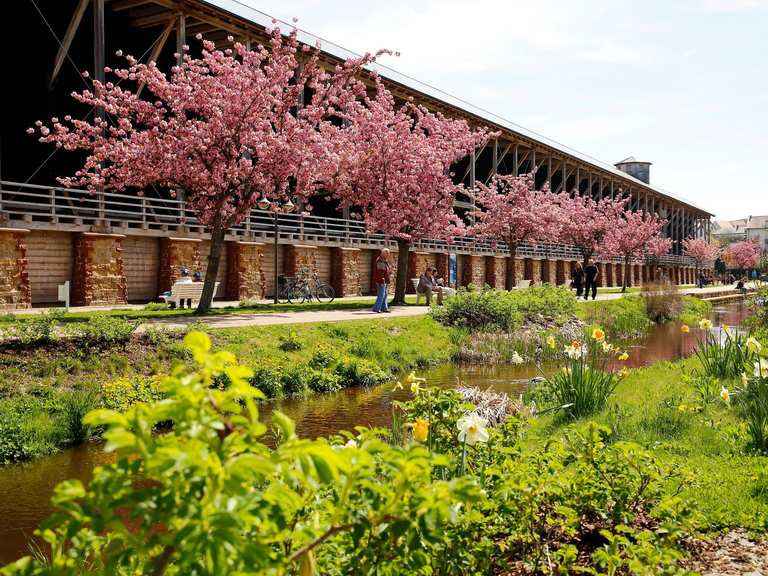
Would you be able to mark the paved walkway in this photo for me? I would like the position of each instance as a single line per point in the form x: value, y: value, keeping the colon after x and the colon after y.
x: 237, y: 319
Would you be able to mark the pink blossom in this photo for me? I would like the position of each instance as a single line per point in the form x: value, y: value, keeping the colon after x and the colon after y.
x: 742, y: 255
x: 700, y: 250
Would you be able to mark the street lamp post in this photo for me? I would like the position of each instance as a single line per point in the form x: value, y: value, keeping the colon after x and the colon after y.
x: 287, y: 207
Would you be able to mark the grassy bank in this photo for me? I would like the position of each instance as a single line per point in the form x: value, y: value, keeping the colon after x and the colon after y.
x: 659, y: 408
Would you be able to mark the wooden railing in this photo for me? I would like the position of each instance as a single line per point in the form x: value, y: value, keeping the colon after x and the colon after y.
x: 35, y: 206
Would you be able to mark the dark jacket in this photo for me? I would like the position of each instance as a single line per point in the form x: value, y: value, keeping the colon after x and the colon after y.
x: 381, y: 271
x: 591, y: 272
x: 426, y: 282
x: 578, y: 276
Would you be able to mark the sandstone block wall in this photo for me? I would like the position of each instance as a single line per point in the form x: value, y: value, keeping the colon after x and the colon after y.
x: 346, y: 277
x: 418, y: 262
x: 98, y: 276
x: 175, y: 254
x: 300, y: 260
x: 474, y: 271
x: 495, y: 271
x: 245, y: 270
x: 15, y: 289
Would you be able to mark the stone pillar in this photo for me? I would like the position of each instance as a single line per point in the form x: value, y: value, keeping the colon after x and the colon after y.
x: 473, y: 271
x: 602, y: 281
x: 345, y: 271
x: 545, y: 276
x: 177, y: 253
x: 560, y: 272
x: 528, y: 269
x: 97, y: 276
x: 519, y: 270
x: 300, y: 259
x: 15, y: 291
x: 495, y: 271
x: 619, y: 274
x: 608, y: 267
x: 245, y: 270
x: 441, y: 263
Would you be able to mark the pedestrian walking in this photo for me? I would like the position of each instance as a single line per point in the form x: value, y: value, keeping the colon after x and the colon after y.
x: 591, y: 274
x: 577, y: 279
x: 381, y: 279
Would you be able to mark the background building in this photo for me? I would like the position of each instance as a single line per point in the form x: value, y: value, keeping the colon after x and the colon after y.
x: 117, y: 247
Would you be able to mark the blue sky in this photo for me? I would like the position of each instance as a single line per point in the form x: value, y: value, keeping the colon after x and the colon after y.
x: 680, y: 83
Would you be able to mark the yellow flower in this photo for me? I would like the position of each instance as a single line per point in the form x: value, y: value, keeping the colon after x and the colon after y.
x: 606, y: 346
x: 623, y: 356
x: 415, y: 383
x: 684, y: 329
x: 682, y: 408
x: 598, y: 334
x: 724, y: 394
x: 705, y: 324
x: 575, y: 344
x: 420, y: 430
x: 623, y: 373
x: 564, y: 370
x: 753, y: 345
x: 761, y: 368
x: 551, y: 342
x: 744, y: 379
x: 398, y: 386
x: 727, y: 329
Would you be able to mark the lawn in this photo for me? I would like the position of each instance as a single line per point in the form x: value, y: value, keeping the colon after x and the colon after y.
x: 656, y: 408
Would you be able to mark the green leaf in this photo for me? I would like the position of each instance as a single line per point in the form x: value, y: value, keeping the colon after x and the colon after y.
x: 286, y: 426
x: 197, y: 342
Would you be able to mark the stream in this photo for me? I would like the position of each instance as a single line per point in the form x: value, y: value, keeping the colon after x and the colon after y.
x: 25, y: 489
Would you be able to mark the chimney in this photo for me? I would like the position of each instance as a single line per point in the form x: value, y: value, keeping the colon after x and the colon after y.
x: 636, y: 169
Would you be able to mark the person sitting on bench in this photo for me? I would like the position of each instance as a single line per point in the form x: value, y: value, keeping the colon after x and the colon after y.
x: 184, y: 278
x: 427, y: 285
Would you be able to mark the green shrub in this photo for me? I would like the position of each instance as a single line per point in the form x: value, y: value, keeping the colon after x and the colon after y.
x: 322, y: 357
x: 155, y: 306
x: 28, y: 427
x: 75, y: 405
x: 290, y: 343
x: 157, y: 335
x: 323, y: 382
x: 693, y: 309
x: 268, y: 380
x: 295, y: 380
x: 105, y: 330
x: 123, y: 393
x: 36, y: 329
x: 360, y: 372
x: 752, y: 401
x: 622, y: 318
x: 501, y: 310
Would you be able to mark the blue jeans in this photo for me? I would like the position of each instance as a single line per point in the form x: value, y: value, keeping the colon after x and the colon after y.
x: 381, y: 298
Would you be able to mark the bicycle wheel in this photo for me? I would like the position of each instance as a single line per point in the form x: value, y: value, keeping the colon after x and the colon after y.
x: 325, y: 293
x: 295, y: 293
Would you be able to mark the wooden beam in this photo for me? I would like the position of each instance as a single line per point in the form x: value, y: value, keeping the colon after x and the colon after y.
x: 120, y: 5
x: 69, y: 35
x: 159, y: 46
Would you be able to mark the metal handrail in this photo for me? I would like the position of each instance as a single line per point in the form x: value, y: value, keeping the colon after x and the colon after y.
x: 27, y: 202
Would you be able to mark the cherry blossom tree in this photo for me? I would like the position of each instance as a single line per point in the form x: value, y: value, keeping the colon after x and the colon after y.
x: 225, y: 128
x: 585, y: 223
x: 640, y: 234
x: 742, y: 255
x: 395, y: 171
x: 703, y: 252
x: 513, y: 211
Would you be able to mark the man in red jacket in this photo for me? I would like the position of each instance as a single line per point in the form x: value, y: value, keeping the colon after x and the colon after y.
x: 381, y: 279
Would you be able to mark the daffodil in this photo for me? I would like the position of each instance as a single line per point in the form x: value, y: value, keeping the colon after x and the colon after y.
x: 724, y: 394
x: 351, y: 443
x: 415, y: 383
x: 623, y: 373
x: 726, y: 329
x: 705, y: 324
x: 598, y: 334
x: 623, y: 356
x: 685, y: 329
x: 573, y: 352
x: 516, y: 358
x: 564, y: 370
x: 607, y: 347
x: 682, y: 408
x: 761, y: 368
x: 398, y: 386
x: 551, y: 342
x: 420, y: 430
x: 753, y: 345
x: 744, y: 379
x: 472, y: 428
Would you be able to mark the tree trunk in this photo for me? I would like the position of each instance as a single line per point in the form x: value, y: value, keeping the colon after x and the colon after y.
x: 212, y: 269
x: 401, y: 281
x: 510, y: 280
x: 625, y: 279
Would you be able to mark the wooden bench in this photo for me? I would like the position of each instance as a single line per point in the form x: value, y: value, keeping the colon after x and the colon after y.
x: 186, y: 291
x: 523, y: 284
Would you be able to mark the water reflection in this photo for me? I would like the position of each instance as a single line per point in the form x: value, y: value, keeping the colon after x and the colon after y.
x: 25, y: 489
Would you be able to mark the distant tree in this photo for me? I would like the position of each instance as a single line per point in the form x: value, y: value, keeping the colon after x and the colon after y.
x: 742, y: 255
x: 513, y: 211
x: 638, y: 234
x: 225, y: 128
x: 395, y: 171
x: 704, y: 253
x: 586, y: 223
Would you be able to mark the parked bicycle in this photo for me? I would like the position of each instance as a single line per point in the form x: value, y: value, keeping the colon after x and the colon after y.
x: 305, y: 288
